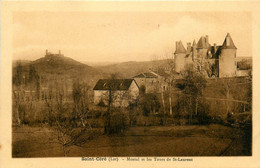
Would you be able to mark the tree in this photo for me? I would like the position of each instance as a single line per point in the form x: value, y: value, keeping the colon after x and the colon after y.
x: 194, y: 84
x: 17, y: 105
x: 170, y: 78
x: 244, y: 64
x: 81, y: 101
x: 227, y: 91
x: 70, y: 125
x: 17, y: 79
x: 149, y: 103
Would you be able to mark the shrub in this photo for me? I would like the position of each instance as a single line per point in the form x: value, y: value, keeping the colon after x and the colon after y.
x: 118, y: 123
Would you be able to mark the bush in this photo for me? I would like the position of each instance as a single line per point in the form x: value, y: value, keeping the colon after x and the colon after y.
x: 118, y: 123
x: 203, y: 113
x: 149, y: 103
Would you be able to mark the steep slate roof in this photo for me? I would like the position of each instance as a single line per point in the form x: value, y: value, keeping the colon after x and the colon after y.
x: 202, y: 43
x: 146, y: 75
x: 179, y: 48
x: 231, y: 44
x: 194, y: 43
x: 114, y: 84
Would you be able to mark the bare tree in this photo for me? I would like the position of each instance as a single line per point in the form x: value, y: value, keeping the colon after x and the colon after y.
x: 170, y: 78
x: 194, y: 85
x: 62, y: 116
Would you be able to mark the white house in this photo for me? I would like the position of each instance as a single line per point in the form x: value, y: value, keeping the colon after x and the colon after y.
x: 122, y: 91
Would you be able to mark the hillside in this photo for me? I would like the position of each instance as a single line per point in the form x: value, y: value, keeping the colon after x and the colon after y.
x: 60, y: 68
x: 130, y: 69
x: 61, y: 65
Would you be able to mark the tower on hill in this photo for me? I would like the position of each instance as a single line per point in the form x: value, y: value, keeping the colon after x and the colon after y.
x: 227, y: 63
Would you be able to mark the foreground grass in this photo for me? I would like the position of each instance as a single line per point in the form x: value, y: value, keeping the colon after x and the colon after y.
x: 211, y: 140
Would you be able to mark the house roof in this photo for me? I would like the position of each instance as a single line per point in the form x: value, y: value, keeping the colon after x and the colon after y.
x: 179, y: 48
x: 228, y: 43
x: 146, y: 75
x: 113, y: 84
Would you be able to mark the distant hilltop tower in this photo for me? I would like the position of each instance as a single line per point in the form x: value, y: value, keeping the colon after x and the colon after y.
x: 227, y: 63
x: 179, y: 57
x: 47, y: 53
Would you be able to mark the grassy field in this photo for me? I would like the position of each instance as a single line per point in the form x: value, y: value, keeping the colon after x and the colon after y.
x: 211, y: 140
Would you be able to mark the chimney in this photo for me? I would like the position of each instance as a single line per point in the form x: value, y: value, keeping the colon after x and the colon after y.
x: 59, y: 52
x: 46, y: 52
x: 188, y: 48
x: 194, y: 51
x: 215, y: 48
x: 207, y: 40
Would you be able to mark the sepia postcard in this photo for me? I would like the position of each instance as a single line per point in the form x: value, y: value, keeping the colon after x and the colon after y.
x: 130, y: 84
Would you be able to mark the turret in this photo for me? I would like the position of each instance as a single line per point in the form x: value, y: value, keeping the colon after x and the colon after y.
x: 188, y: 48
x: 194, y: 50
x: 227, y: 64
x: 179, y: 57
x: 215, y: 48
x: 203, y: 46
x: 207, y: 41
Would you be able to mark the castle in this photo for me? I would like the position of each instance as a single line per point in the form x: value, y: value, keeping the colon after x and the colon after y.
x: 49, y: 54
x: 219, y: 61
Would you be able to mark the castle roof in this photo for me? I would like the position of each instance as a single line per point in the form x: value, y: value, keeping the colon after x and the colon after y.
x: 147, y: 75
x: 179, y: 48
x: 228, y: 43
x: 203, y: 43
x: 194, y: 43
x: 113, y: 84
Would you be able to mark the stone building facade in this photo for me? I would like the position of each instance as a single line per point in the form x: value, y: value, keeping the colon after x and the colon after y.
x: 211, y: 60
x: 121, y: 91
x: 151, y: 81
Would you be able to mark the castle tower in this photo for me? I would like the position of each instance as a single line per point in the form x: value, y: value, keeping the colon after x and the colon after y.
x: 188, y: 48
x: 179, y: 57
x: 227, y: 64
x: 203, y: 46
x: 194, y: 50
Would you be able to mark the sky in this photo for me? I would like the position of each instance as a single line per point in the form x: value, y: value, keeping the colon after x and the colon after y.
x: 123, y: 36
